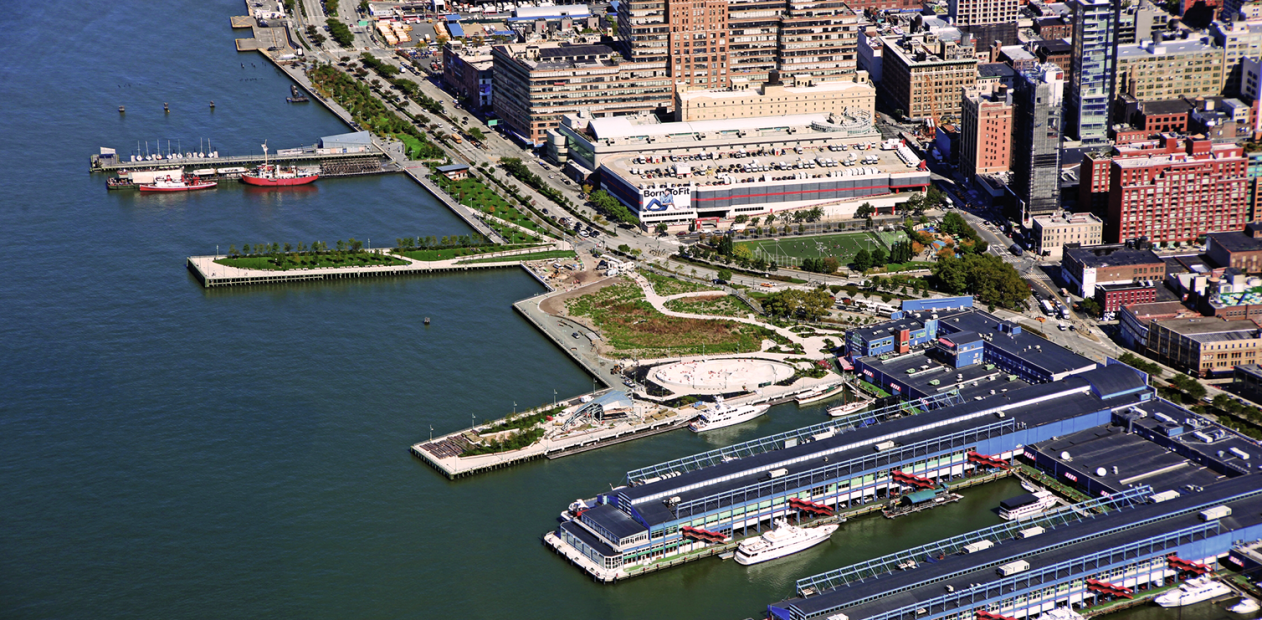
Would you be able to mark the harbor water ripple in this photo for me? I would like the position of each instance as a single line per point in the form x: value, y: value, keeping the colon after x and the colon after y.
x: 171, y: 452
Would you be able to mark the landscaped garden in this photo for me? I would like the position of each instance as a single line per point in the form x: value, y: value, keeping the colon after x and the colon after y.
x: 667, y: 286
x: 718, y: 305
x: 473, y: 193
x: 631, y: 326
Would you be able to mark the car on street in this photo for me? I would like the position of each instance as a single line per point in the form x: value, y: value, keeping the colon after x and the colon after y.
x: 575, y: 335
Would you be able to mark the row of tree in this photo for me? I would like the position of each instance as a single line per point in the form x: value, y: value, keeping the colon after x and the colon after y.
x: 277, y: 249
x: 612, y: 207
x: 827, y: 264
x: 432, y: 242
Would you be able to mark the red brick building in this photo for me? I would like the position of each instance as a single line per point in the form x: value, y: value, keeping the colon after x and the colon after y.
x: 1175, y: 190
x: 1164, y: 116
x: 1112, y: 297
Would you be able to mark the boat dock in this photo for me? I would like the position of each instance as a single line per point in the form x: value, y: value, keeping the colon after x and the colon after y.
x: 215, y: 275
x: 371, y: 159
x: 445, y: 453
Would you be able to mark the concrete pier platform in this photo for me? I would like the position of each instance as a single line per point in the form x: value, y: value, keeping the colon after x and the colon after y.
x: 444, y: 453
x: 213, y: 275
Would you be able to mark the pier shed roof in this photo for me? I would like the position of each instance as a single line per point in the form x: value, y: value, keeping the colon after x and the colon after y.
x: 930, y: 579
x: 342, y: 140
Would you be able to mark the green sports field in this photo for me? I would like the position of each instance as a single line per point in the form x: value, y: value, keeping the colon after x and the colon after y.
x: 842, y: 246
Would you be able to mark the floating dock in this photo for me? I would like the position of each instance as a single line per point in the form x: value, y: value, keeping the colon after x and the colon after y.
x: 311, y: 156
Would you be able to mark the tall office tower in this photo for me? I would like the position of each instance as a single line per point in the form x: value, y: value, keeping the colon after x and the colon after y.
x: 1094, y: 57
x: 698, y: 42
x: 977, y: 12
x: 753, y: 42
x: 642, y: 30
x: 819, y: 40
x: 1038, y: 106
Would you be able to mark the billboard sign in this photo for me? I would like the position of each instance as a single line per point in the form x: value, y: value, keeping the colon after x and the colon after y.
x: 664, y: 199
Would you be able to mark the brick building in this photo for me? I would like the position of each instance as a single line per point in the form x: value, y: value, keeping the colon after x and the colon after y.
x: 1112, y: 297
x: 985, y: 130
x: 1240, y: 250
x: 922, y: 75
x: 1204, y: 346
x: 1175, y: 190
x: 1088, y: 267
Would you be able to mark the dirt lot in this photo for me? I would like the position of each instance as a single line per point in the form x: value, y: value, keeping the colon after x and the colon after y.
x: 555, y: 305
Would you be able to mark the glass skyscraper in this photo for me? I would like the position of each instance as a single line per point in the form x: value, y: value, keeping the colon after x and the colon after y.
x: 1094, y: 60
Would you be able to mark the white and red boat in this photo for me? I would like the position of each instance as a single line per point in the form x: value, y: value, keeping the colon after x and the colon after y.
x: 271, y: 175
x: 184, y: 183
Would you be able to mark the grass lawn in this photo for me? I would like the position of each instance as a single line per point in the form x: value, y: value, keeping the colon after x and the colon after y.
x: 718, y: 305
x: 629, y: 324
x: 841, y: 246
x: 531, y: 256
x: 450, y: 253
x: 414, y: 146
x: 286, y: 262
x: 473, y: 193
x: 666, y: 286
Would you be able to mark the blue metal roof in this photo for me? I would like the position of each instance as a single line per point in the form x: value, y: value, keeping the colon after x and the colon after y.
x: 456, y: 30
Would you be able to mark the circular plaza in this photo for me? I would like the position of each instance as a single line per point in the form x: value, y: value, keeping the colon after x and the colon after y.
x: 720, y: 376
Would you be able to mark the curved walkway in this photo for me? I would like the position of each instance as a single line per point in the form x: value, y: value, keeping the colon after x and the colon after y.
x: 811, y: 345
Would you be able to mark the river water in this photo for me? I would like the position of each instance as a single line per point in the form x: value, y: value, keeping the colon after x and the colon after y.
x: 171, y: 452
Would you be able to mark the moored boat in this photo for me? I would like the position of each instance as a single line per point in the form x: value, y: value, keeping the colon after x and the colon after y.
x: 271, y: 175
x: 1027, y: 505
x: 1245, y: 606
x: 784, y: 540
x: 171, y: 184
x: 815, y: 395
x: 1192, y: 592
x: 723, y: 415
x: 846, y: 408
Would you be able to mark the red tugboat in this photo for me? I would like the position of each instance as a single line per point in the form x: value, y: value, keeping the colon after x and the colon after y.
x: 270, y: 175
x: 185, y: 183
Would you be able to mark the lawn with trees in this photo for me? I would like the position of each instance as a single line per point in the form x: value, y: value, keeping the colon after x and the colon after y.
x: 796, y: 304
x: 545, y: 255
x: 473, y: 193
x: 984, y: 276
x: 340, y: 33
x: 275, y: 257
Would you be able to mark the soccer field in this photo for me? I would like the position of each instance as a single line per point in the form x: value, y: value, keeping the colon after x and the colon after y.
x: 791, y: 250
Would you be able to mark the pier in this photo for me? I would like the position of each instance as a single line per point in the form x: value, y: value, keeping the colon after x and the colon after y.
x: 214, y: 275
x: 444, y: 452
x: 372, y: 159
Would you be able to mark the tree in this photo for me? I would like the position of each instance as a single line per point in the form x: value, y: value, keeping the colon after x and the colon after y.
x: 879, y: 258
x: 952, y: 275
x: 863, y: 260
x: 741, y: 219
x: 793, y: 303
x: 864, y: 210
x: 725, y: 275
x: 477, y: 134
x: 662, y: 228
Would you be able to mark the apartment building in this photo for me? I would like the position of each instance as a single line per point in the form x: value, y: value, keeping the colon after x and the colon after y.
x: 1176, y: 190
x: 1094, y: 56
x: 1239, y: 39
x: 535, y: 85
x: 698, y: 42
x: 1157, y: 69
x: 819, y: 39
x: 1052, y: 232
x: 922, y: 75
x: 977, y: 12
x: 985, y: 129
x: 1037, y: 112
x: 775, y: 98
x: 1088, y: 267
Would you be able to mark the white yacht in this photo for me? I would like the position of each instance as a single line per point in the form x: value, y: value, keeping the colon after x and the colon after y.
x: 722, y: 415
x: 1192, y: 592
x: 1028, y: 505
x: 784, y: 540
x: 1245, y: 606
